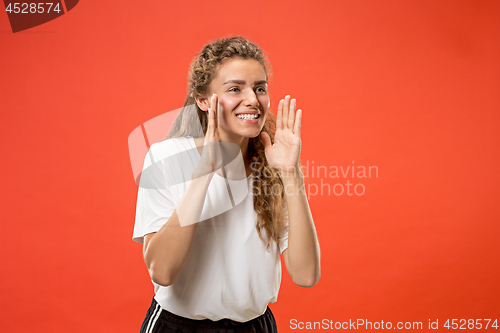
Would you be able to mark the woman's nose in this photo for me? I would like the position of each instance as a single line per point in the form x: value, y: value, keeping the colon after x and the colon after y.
x: 251, y: 98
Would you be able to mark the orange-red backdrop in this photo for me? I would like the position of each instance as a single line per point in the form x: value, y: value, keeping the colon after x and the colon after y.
x: 411, y: 87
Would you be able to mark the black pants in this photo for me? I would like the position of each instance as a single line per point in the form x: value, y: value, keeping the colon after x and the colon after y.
x: 163, y: 321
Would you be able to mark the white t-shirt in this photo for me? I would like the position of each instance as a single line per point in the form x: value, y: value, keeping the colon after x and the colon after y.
x: 229, y: 273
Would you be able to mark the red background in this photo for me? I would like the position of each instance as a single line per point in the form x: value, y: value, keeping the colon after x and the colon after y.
x: 412, y: 87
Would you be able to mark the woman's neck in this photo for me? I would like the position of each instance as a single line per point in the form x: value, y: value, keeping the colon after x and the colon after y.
x: 242, y: 142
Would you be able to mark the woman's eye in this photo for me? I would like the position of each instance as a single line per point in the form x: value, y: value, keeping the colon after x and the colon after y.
x: 234, y: 89
x: 260, y: 89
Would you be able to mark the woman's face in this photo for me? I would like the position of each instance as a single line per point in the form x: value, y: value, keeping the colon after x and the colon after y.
x: 241, y: 87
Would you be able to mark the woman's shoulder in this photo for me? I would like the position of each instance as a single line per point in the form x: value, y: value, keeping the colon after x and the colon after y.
x: 198, y: 141
x: 173, y: 145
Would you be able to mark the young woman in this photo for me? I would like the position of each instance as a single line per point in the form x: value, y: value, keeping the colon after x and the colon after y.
x: 217, y: 269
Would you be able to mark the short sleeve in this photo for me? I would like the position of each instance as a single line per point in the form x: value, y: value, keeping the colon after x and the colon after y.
x: 284, y: 237
x: 155, y: 203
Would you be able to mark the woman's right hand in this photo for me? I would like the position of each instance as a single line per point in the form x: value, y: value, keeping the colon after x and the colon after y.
x: 211, y: 157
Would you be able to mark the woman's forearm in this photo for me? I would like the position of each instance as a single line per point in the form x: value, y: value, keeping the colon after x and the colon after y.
x: 303, y: 246
x: 167, y: 251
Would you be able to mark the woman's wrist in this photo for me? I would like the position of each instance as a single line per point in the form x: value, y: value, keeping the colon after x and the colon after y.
x: 290, y: 173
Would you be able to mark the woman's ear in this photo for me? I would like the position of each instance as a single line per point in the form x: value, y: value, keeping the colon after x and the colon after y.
x: 203, y: 103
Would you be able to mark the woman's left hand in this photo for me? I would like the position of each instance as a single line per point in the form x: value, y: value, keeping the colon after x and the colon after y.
x: 284, y: 153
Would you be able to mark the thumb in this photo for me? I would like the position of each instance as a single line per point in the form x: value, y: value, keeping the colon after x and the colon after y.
x: 266, y: 139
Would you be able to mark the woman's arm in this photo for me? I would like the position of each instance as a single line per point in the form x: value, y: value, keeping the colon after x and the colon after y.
x: 167, y: 250
x: 302, y: 257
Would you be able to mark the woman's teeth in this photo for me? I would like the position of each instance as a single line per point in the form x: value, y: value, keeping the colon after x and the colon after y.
x: 247, y: 116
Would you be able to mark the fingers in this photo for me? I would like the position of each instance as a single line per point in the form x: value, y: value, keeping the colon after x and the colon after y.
x: 265, y: 139
x: 286, y: 107
x: 214, y: 102
x: 298, y: 123
x: 279, y: 116
x: 209, y: 136
x: 291, y: 113
x: 210, y: 125
x: 287, y: 117
x: 212, y: 134
x: 212, y: 119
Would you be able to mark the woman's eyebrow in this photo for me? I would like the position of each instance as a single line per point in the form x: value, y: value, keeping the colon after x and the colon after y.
x: 244, y: 82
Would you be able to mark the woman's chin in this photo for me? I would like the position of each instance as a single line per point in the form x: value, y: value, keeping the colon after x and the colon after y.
x: 251, y: 133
